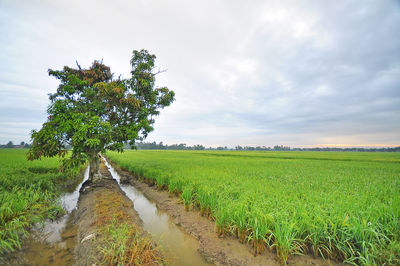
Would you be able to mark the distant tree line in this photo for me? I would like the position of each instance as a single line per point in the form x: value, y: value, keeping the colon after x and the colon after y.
x: 389, y: 149
x: 263, y: 148
x: 160, y: 146
x: 10, y: 144
x: 287, y: 148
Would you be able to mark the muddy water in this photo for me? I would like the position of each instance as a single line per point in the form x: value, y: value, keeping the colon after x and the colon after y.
x: 179, y: 248
x: 53, y: 242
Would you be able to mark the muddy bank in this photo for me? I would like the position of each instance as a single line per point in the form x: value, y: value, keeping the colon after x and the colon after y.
x: 220, y: 251
x: 106, y: 221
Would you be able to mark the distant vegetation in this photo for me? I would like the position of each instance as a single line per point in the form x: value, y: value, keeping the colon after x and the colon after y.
x: 11, y: 145
x: 339, y: 205
x: 160, y: 146
x: 28, y: 194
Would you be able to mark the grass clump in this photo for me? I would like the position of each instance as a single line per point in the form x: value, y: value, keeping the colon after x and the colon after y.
x: 122, y: 243
x: 125, y: 246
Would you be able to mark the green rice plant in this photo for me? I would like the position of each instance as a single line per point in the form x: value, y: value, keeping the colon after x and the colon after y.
x: 175, y: 186
x: 206, y: 199
x: 339, y: 205
x: 260, y: 225
x: 316, y: 235
x: 161, y: 181
x: 222, y: 218
x: 240, y: 217
x: 286, y: 242
x: 187, y: 196
x: 28, y: 195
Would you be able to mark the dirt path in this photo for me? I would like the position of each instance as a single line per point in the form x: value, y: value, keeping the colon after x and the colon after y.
x: 220, y: 251
x: 103, y: 205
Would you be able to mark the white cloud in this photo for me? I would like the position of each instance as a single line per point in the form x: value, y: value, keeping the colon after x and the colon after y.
x: 259, y: 72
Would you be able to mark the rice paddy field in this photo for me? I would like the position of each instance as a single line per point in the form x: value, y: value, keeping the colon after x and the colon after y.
x: 344, y: 206
x: 28, y: 194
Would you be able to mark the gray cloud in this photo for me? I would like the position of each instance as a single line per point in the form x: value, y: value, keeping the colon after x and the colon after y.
x: 259, y: 73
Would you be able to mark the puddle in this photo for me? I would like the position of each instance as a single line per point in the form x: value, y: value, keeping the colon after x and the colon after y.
x: 53, y: 242
x: 179, y: 248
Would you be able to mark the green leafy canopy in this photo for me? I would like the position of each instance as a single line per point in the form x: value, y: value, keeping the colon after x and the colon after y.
x: 93, y: 112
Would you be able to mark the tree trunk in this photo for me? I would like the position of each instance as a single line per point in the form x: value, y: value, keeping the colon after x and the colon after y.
x: 94, y: 166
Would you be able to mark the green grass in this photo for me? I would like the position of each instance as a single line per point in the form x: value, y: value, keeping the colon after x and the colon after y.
x: 28, y: 194
x: 339, y: 205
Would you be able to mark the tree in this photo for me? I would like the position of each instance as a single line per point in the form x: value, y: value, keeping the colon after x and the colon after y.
x: 93, y: 112
x: 10, y: 144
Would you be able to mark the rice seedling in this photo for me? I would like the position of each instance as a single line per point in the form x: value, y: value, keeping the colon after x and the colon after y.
x: 339, y: 205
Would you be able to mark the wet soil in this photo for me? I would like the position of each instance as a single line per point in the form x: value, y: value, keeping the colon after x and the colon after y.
x: 217, y: 250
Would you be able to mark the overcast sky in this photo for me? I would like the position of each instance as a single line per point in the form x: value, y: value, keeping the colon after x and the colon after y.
x: 297, y: 73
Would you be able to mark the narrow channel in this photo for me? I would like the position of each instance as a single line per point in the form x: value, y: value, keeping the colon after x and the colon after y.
x: 52, y: 243
x: 180, y: 248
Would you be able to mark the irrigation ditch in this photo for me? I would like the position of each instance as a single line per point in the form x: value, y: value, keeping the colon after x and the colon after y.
x: 152, y: 226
